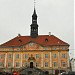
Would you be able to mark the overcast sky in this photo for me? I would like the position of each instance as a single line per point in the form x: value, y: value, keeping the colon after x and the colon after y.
x: 55, y: 16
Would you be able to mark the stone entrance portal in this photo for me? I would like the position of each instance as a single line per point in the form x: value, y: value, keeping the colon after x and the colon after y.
x: 31, y: 61
x: 31, y: 64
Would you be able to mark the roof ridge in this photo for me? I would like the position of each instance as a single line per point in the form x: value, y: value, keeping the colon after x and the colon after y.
x: 59, y: 39
x: 9, y: 40
x: 20, y: 40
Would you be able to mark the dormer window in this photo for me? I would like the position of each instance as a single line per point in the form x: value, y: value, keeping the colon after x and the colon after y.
x: 20, y: 41
x: 46, y: 40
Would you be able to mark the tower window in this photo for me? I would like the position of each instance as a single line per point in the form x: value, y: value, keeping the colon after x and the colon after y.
x: 32, y: 29
x: 36, y: 29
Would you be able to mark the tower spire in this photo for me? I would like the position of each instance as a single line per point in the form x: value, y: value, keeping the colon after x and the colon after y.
x: 34, y: 16
x: 34, y: 3
x: 34, y: 25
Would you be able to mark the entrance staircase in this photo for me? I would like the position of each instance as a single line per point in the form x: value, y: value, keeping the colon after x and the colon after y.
x: 30, y: 71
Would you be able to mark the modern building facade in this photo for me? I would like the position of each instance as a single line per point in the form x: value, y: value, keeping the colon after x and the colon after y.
x: 45, y: 52
x: 72, y: 61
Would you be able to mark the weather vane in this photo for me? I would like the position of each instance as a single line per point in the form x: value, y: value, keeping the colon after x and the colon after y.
x: 34, y: 3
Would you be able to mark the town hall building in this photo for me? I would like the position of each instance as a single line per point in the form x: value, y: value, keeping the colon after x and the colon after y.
x: 45, y: 53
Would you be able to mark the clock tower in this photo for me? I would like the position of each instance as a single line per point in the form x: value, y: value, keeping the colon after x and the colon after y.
x: 34, y: 25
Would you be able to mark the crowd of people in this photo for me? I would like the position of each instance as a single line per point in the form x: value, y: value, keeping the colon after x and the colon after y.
x: 9, y: 73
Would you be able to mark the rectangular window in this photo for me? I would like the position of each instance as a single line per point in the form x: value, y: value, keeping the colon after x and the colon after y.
x: 45, y: 48
x: 46, y: 55
x: 1, y: 64
x: 17, y: 56
x: 37, y: 64
x: 54, y: 48
x: 63, y: 56
x: 25, y: 56
x: 17, y: 64
x: 9, y: 64
x: 63, y: 48
x: 46, y: 64
x: 2, y: 56
x: 55, y: 64
x: 37, y: 55
x: 9, y: 56
x: 63, y: 64
x: 54, y: 55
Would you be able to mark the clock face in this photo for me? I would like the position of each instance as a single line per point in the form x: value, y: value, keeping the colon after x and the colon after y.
x: 31, y: 44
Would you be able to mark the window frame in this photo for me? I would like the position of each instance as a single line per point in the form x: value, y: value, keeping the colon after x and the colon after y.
x: 55, y: 64
x: 63, y: 55
x: 37, y: 64
x: 9, y: 56
x: 2, y: 56
x: 17, y: 64
x: 63, y: 64
x: 9, y: 64
x: 17, y: 56
x: 1, y: 64
x: 63, y: 48
x: 54, y: 55
x: 37, y: 56
x: 46, y: 55
x: 46, y: 64
x: 25, y: 56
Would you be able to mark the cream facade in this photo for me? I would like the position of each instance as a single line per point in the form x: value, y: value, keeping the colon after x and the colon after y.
x: 34, y: 55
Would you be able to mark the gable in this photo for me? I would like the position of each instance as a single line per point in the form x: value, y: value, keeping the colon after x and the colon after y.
x: 32, y: 46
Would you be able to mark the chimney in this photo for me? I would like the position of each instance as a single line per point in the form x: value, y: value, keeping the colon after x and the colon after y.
x: 49, y: 33
x: 19, y: 35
